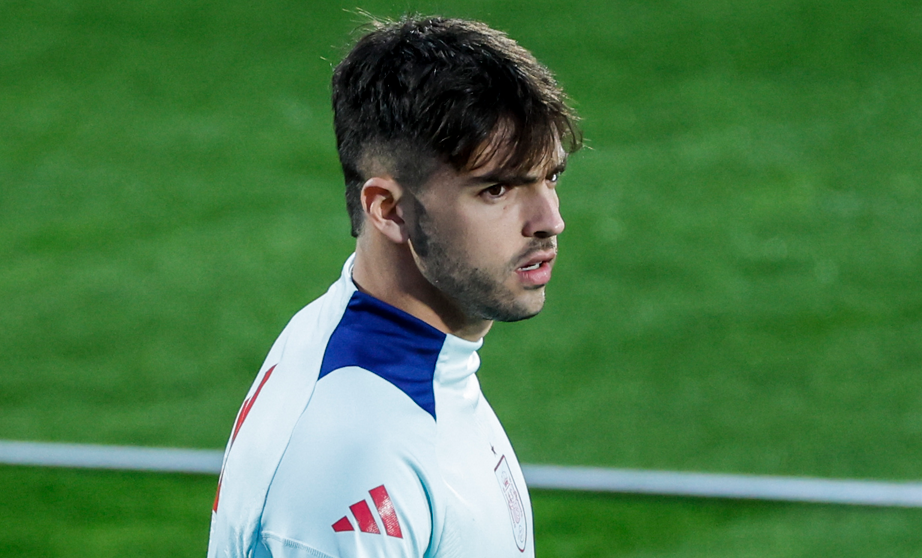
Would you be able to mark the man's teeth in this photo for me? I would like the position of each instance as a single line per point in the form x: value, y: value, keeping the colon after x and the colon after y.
x: 531, y: 267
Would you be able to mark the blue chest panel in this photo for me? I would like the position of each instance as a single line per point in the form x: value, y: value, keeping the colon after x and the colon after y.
x: 388, y: 343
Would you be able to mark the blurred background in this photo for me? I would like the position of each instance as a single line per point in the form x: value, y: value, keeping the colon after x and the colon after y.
x: 738, y: 287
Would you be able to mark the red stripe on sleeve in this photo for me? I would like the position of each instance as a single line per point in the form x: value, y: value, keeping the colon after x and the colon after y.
x: 343, y: 525
x: 248, y: 404
x: 217, y: 494
x: 362, y: 513
x: 386, y: 511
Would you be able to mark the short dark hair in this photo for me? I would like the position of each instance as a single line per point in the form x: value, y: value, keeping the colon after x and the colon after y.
x: 427, y: 90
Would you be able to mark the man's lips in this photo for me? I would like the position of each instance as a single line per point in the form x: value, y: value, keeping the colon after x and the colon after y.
x: 536, y: 270
x: 537, y: 259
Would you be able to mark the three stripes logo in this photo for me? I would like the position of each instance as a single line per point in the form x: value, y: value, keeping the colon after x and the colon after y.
x: 366, y: 520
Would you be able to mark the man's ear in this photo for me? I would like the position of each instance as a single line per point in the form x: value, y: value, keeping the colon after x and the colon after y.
x: 380, y: 197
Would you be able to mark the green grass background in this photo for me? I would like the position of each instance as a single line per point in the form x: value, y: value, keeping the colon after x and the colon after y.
x: 738, y: 287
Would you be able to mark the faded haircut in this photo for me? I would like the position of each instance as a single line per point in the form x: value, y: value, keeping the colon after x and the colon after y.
x: 424, y: 91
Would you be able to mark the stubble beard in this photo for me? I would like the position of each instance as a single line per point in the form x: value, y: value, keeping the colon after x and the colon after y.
x: 478, y: 293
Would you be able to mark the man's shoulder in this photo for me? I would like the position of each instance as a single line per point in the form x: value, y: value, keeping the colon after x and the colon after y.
x: 359, y: 403
x: 387, y: 343
x: 356, y: 468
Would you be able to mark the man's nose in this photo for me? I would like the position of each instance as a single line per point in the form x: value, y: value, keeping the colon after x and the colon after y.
x: 544, y: 218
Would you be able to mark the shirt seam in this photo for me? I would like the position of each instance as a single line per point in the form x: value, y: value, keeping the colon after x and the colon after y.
x: 295, y: 544
x: 262, y: 510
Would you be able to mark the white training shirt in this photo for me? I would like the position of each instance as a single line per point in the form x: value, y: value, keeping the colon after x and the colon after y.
x: 366, y: 434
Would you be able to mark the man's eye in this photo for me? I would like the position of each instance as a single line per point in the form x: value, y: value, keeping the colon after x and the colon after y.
x: 495, y: 191
x: 554, y: 177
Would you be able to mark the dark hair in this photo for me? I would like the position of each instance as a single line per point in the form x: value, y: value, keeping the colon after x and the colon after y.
x: 422, y: 91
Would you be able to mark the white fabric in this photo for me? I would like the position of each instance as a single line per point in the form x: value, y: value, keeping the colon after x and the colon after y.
x: 311, y: 452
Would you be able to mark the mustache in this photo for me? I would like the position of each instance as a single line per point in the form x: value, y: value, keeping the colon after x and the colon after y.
x: 537, y: 245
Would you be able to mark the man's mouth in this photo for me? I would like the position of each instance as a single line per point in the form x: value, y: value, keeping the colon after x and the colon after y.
x: 536, y: 270
x: 537, y: 258
x: 531, y: 267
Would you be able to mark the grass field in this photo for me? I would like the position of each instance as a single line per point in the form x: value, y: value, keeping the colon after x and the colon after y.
x: 738, y: 288
x: 90, y: 513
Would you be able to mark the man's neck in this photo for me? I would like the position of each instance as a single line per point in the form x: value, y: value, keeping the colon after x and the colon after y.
x: 388, y: 272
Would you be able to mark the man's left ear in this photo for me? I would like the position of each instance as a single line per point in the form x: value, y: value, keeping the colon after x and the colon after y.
x: 380, y: 200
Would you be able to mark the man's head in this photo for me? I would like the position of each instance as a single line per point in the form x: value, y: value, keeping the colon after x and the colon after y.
x: 451, y: 138
x: 418, y: 94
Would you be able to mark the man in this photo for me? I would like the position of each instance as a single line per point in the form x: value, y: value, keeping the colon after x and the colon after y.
x: 365, y: 432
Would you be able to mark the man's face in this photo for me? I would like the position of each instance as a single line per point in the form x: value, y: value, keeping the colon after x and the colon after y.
x: 487, y: 238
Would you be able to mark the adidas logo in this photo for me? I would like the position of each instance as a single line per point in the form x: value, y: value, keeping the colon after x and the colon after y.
x: 366, y: 520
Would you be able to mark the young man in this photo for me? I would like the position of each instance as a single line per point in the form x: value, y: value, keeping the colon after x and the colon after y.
x: 365, y: 433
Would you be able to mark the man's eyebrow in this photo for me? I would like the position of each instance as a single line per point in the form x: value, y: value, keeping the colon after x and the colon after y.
x: 504, y: 177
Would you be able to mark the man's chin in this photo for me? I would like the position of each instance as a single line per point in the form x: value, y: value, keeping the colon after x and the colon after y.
x: 519, y: 311
x: 517, y: 317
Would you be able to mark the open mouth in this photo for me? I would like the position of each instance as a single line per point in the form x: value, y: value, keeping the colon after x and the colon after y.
x: 536, y: 273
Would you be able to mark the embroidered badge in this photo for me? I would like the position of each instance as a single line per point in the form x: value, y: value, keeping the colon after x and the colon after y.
x: 514, y: 501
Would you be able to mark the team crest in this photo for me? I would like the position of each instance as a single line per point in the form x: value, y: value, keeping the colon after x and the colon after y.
x: 514, y: 501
